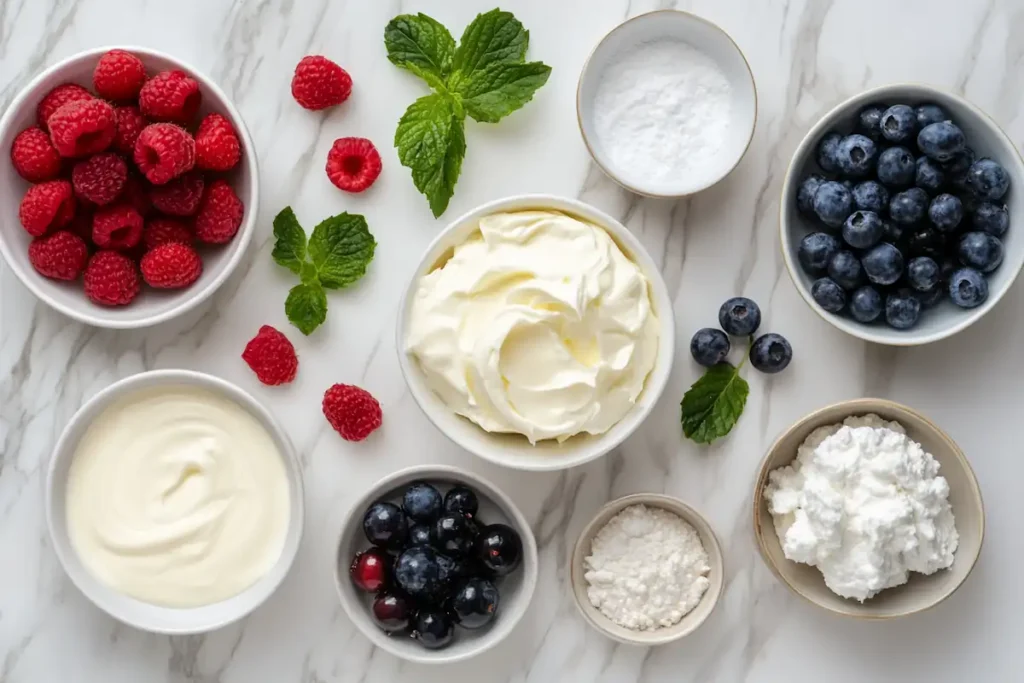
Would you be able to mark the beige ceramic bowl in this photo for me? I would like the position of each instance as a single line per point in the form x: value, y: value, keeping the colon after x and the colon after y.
x: 694, y: 618
x: 920, y: 592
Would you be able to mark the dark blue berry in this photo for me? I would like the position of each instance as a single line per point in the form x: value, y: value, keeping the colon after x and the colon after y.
x: 739, y: 316
x: 959, y: 163
x: 499, y: 549
x: 989, y: 180
x: 909, y: 207
x: 474, y: 603
x: 932, y: 296
x: 805, y: 193
x: 833, y: 203
x: 883, y: 264
x: 991, y: 218
x: 863, y: 229
x: 421, y: 534
x: 454, y: 535
x: 981, y: 251
x: 462, y: 500
x: 902, y: 310
x: 926, y: 241
x: 896, y: 167
x: 923, y: 273
x: 418, y: 573
x: 899, y: 123
x: 869, y: 121
x: 816, y: 250
x: 771, y: 353
x: 385, y: 525
x: 866, y: 304
x: 845, y: 269
x: 945, y: 212
x: 928, y: 114
x: 709, y: 346
x: 421, y: 502
x: 968, y: 288
x: 941, y: 141
x: 827, y: 152
x: 856, y: 155
x: 828, y: 294
x: 433, y: 628
x: 871, y: 196
x: 892, y: 232
x: 929, y: 176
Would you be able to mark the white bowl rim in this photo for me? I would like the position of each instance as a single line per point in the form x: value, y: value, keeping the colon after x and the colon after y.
x: 851, y: 327
x: 529, y: 564
x: 656, y: 381
x: 296, y: 523
x: 189, y: 299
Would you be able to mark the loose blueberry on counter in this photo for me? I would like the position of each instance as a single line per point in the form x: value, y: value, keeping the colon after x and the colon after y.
x: 863, y: 229
x: 909, y: 207
x: 883, y: 264
x: 870, y: 196
x: 421, y: 502
x: 709, y: 346
x: 866, y: 305
x: 981, y: 251
x: 433, y: 629
x: 385, y: 525
x: 421, y: 534
x: 902, y: 310
x: 846, y: 270
x: 945, y: 212
x: 454, y: 535
x: 928, y: 114
x: 896, y: 167
x: 369, y: 570
x: 941, y: 141
x: 932, y: 296
x: 805, y: 193
x: 827, y: 152
x: 869, y: 121
x: 739, y: 316
x: 770, y: 353
x: 923, y: 273
x: 475, y: 603
x: 828, y: 294
x: 391, y: 612
x: 832, y: 203
x: 856, y: 155
x: 899, y: 123
x: 929, y: 176
x: 499, y: 548
x: 418, y: 573
x: 816, y: 250
x: 968, y: 288
x: 988, y: 179
x: 462, y: 500
x: 926, y: 241
x: 991, y: 218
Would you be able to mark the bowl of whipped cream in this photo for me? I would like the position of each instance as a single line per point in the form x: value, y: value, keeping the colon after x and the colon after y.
x: 174, y: 502
x: 536, y: 332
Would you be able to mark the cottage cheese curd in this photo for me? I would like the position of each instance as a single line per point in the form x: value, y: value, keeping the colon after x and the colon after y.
x: 538, y: 324
x: 865, y: 505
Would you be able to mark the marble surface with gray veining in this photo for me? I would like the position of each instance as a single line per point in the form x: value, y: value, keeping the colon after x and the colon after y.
x: 806, y: 56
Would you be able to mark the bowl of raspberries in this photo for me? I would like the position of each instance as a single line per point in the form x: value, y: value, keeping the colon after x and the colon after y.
x: 130, y: 190
x: 899, y: 215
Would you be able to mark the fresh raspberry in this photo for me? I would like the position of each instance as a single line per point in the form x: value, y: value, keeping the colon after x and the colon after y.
x: 47, y: 206
x: 60, y: 256
x: 82, y: 128
x: 217, y: 146
x: 34, y: 156
x: 319, y: 83
x: 116, y: 227
x: 100, y: 178
x: 119, y: 75
x: 162, y: 230
x: 271, y: 356
x: 220, y: 214
x: 171, y: 266
x: 352, y: 411
x: 130, y: 123
x: 164, y: 151
x: 170, y: 96
x: 111, y: 279
x: 136, y: 193
x: 353, y: 164
x: 57, y: 98
x: 180, y: 197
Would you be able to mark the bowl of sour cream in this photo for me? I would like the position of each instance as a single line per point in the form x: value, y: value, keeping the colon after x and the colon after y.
x: 174, y: 502
x: 536, y: 332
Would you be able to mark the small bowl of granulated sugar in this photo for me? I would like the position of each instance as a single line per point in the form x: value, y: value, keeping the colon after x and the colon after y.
x: 647, y: 570
x: 666, y: 104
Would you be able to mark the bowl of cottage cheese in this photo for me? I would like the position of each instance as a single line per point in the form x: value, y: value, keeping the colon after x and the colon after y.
x: 868, y: 509
x: 536, y: 332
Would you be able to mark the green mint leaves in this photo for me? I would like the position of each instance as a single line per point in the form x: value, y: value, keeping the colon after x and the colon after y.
x: 486, y: 77
x: 714, y: 403
x: 337, y: 255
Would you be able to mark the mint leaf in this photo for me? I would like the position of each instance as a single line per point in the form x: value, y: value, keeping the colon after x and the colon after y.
x: 421, y: 45
x: 306, y: 306
x: 341, y: 248
x: 495, y: 36
x: 714, y: 403
x: 437, y: 183
x: 423, y: 132
x: 499, y: 89
x: 290, y: 241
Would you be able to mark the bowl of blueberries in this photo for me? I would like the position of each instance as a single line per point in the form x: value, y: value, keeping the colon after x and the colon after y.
x: 897, y: 215
x: 435, y: 564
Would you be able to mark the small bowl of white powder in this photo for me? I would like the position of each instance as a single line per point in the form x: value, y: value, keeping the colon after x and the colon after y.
x: 666, y: 104
x: 647, y: 570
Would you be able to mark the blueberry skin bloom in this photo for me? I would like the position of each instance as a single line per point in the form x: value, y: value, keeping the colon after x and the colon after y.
x: 991, y: 218
x: 845, y: 269
x: 899, y: 123
x: 968, y: 288
x: 805, y: 193
x: 771, y: 353
x: 856, y: 155
x: 833, y: 203
x: 709, y: 346
x: 923, y: 273
x: 863, y: 229
x: 909, y: 207
x: 981, y: 251
x: 828, y: 294
x: 941, y: 141
x: 902, y: 310
x: 870, y: 196
x: 815, y: 251
x: 739, y: 316
x: 928, y: 114
x: 869, y: 121
x: 827, y: 152
x: 896, y: 167
x: 866, y: 305
x: 883, y: 264
x: 945, y: 212
x: 929, y: 175
x: 988, y: 179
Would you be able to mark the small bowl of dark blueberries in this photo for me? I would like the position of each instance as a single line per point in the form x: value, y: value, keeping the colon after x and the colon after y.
x: 435, y: 564
x: 900, y: 215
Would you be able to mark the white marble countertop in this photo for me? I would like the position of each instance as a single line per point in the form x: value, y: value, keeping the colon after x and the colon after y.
x: 806, y: 56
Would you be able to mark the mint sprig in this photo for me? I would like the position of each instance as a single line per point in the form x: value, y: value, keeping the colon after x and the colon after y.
x: 336, y: 255
x: 486, y: 77
x: 711, y: 407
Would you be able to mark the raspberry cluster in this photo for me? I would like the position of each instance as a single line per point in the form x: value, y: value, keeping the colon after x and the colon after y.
x: 127, y: 182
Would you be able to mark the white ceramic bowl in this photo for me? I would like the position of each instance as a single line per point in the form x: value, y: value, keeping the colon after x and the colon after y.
x: 706, y: 37
x: 512, y: 450
x: 984, y: 136
x: 151, y: 306
x: 515, y: 590
x: 142, y: 615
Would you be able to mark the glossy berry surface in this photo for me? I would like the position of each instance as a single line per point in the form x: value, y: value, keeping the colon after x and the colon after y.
x: 902, y: 310
x: 866, y: 304
x: 709, y: 346
x: 771, y: 353
x: 739, y: 316
x: 474, y: 603
x: 418, y: 573
x: 981, y: 251
x: 929, y: 113
x: 391, y: 612
x: 499, y: 549
x: 434, y: 629
x: 421, y: 534
x: 828, y: 294
x: 421, y: 502
x: 385, y: 525
x: 454, y: 535
x: 462, y: 500
x: 941, y: 141
x: 988, y: 179
x: 816, y: 250
x: 370, y: 570
x: 883, y: 265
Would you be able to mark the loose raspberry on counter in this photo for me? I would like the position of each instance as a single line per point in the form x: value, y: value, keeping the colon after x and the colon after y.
x: 181, y: 196
x: 61, y: 256
x: 100, y: 178
x: 170, y: 96
x: 130, y: 123
x: 353, y: 164
x: 111, y: 279
x: 220, y: 214
x: 171, y: 266
x: 83, y: 127
x: 352, y: 411
x: 117, y: 227
x: 164, y: 151
x: 217, y: 146
x: 34, y: 157
x: 161, y: 230
x: 57, y: 98
x: 319, y: 83
x: 119, y: 75
x: 47, y: 206
x: 271, y: 356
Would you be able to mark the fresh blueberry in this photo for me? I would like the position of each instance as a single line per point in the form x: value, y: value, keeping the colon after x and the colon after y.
x: 454, y: 535
x: 474, y: 603
x: 981, y: 251
x: 932, y: 296
x: 945, y: 212
x: 739, y: 316
x: 421, y: 502
x: 828, y: 294
x: 848, y: 184
x: 499, y: 549
x: 909, y: 207
x: 462, y: 500
x: 709, y: 346
x: 988, y: 179
x: 968, y: 288
x: 883, y: 264
x: 866, y: 304
x: 827, y: 152
x: 815, y: 251
x: 433, y: 628
x: 929, y: 176
x: 421, y: 534
x: 926, y: 241
x: 923, y: 273
x: 771, y: 353
x: 863, y: 229
x: 856, y: 155
x: 805, y: 194
x: 959, y: 163
x: 845, y: 269
x: 941, y: 141
x: 947, y: 267
x: 902, y: 309
x: 896, y: 167
x: 869, y: 121
x: 385, y: 525
x: 833, y: 203
x: 418, y: 573
x: 892, y: 232
x: 991, y: 218
x: 928, y: 114
x: 870, y: 196
x: 899, y: 123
